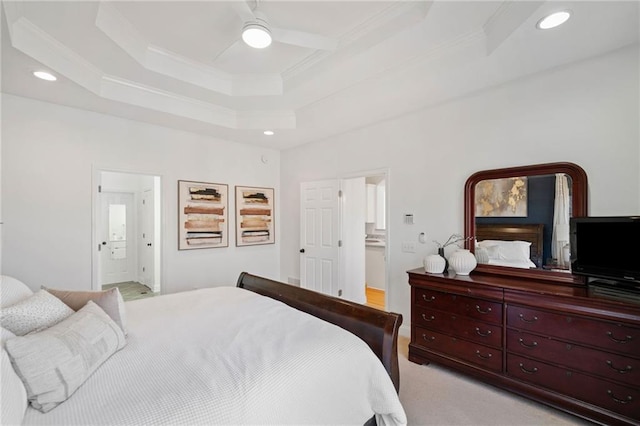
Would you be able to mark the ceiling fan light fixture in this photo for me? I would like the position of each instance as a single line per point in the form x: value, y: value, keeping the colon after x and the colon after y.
x: 257, y: 34
x: 553, y: 20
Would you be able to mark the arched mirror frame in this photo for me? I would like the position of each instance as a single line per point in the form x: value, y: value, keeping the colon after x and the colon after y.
x: 578, y: 205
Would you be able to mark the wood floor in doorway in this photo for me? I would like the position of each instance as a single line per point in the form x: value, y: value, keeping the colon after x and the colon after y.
x: 131, y: 290
x: 375, y: 297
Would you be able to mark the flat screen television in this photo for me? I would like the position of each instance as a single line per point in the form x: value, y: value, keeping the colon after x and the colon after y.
x: 606, y: 247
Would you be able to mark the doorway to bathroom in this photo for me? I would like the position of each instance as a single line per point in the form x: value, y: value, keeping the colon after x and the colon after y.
x: 127, y: 233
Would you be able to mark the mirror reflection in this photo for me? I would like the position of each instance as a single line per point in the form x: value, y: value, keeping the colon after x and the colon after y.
x: 117, y: 222
x: 523, y: 221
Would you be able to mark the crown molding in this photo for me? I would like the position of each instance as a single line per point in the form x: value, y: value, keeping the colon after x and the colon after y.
x: 392, y: 19
x: 41, y: 46
x: 133, y: 93
x: 509, y: 16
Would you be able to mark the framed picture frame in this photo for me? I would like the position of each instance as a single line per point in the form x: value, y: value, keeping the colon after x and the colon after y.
x: 504, y: 197
x: 255, y: 216
x: 202, y: 215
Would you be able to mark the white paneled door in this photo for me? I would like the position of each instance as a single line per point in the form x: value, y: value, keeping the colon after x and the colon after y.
x: 320, y: 236
x: 118, y: 249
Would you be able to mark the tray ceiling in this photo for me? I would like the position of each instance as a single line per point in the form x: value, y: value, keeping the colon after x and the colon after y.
x: 182, y: 64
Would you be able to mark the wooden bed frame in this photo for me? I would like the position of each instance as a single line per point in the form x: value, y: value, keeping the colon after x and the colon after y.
x: 513, y: 232
x: 379, y: 329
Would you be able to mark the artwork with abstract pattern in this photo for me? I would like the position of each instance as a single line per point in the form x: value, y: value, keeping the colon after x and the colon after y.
x: 254, y: 216
x: 202, y: 215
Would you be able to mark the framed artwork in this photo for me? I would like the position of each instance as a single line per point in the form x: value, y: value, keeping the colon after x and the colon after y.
x: 254, y: 216
x: 202, y: 215
x: 505, y: 197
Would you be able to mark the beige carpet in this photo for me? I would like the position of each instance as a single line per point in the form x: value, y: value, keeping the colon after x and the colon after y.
x: 433, y: 395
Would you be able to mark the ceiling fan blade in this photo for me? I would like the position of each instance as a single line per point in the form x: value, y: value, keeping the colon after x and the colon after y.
x: 242, y: 8
x: 304, y: 39
x: 229, y: 45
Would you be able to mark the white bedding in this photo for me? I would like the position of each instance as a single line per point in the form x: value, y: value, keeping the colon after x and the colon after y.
x: 229, y: 356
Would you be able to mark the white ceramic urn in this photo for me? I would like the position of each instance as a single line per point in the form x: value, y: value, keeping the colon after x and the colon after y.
x: 462, y: 261
x: 434, y: 264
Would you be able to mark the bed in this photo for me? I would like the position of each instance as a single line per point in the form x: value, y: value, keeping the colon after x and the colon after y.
x: 236, y: 355
x: 528, y: 255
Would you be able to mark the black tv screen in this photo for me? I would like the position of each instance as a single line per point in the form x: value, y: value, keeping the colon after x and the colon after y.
x: 606, y: 247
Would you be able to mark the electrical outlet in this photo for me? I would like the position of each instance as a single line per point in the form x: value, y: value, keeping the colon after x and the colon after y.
x: 409, y: 247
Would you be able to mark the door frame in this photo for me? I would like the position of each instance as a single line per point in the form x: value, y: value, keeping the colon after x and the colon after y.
x: 387, y: 258
x: 96, y: 213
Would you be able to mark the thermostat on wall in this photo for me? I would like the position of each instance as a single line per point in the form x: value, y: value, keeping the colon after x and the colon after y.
x: 408, y: 219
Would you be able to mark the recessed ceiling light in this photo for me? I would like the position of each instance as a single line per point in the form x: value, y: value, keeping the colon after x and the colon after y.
x: 269, y: 132
x: 553, y: 20
x: 45, y: 75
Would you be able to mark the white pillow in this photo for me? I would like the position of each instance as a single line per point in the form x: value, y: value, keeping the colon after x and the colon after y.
x: 482, y: 254
x: 37, y: 312
x: 13, y: 397
x: 5, y: 335
x: 519, y: 251
x: 12, y: 291
x: 55, y: 362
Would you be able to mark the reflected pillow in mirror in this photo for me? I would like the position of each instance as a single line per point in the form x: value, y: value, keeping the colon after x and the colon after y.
x: 519, y: 251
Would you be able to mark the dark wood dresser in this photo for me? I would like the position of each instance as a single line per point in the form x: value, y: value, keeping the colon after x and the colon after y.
x: 555, y: 344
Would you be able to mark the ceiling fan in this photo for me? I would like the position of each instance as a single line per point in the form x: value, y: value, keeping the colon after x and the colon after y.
x: 258, y: 33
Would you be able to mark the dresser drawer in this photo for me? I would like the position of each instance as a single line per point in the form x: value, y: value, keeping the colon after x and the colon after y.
x: 605, y: 364
x: 460, y: 305
x: 603, y: 393
x: 604, y: 334
x: 459, y: 326
x: 480, y: 355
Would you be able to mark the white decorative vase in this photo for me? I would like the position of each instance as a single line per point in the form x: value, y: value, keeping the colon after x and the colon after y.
x: 434, y: 264
x: 462, y: 261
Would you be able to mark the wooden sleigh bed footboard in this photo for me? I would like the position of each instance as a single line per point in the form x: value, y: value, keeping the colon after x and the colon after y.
x: 379, y: 329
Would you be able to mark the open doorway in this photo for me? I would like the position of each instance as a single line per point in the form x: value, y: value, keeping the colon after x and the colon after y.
x: 343, y: 236
x: 128, y: 233
x: 376, y: 241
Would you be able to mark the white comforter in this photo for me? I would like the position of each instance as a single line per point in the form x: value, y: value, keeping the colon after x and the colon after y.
x: 229, y: 356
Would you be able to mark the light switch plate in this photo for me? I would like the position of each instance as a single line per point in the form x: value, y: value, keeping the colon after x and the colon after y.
x: 409, y: 247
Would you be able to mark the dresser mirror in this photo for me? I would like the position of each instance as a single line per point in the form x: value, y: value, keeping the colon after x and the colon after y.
x: 518, y: 219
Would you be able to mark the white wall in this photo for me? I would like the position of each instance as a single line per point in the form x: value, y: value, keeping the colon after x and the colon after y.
x: 48, y: 156
x: 586, y: 113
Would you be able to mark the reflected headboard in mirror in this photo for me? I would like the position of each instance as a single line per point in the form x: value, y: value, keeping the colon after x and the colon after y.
x: 527, y: 204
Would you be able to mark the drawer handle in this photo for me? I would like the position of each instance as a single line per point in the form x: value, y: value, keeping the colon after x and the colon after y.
x: 431, y: 318
x: 479, y: 355
x: 429, y: 338
x: 531, y: 346
x: 618, y: 400
x: 534, y: 370
x: 523, y: 319
x: 430, y: 299
x: 622, y: 370
x: 483, y: 312
x: 479, y: 333
x: 626, y: 339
